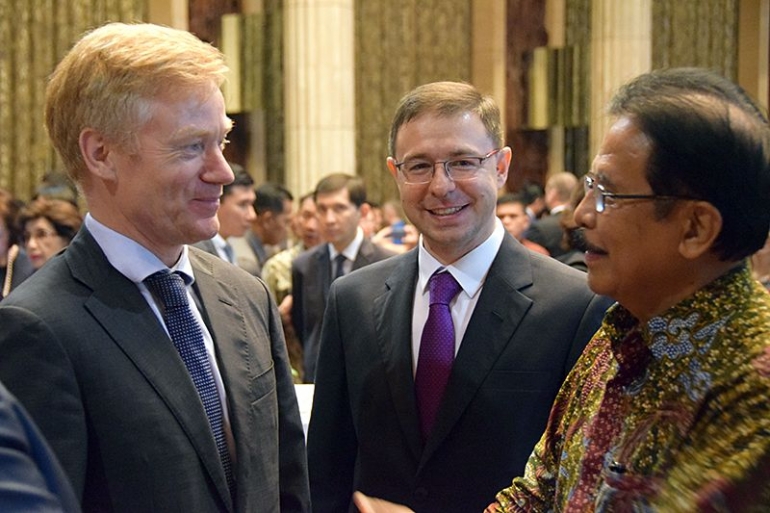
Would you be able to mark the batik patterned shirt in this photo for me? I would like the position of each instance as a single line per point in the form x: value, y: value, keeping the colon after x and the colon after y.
x: 277, y: 272
x: 672, y: 415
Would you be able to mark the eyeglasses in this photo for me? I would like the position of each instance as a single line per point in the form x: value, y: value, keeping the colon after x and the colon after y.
x: 39, y: 235
x: 604, y: 199
x: 421, y: 171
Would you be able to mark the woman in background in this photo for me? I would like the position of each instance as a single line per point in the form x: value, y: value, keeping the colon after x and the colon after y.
x: 15, y: 267
x: 49, y: 226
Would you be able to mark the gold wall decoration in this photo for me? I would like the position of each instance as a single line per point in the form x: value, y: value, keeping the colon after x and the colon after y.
x: 702, y: 33
x: 34, y: 36
x: 401, y: 44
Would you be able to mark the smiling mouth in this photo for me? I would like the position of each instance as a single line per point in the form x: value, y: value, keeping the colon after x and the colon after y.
x: 590, y: 248
x: 448, y: 211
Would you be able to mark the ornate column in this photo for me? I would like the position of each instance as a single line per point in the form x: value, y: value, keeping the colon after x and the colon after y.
x: 319, y: 91
x: 488, y: 49
x: 621, y: 48
x: 174, y: 13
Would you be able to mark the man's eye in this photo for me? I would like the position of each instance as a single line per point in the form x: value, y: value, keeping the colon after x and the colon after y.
x: 464, y: 164
x: 418, y: 167
x: 195, y: 147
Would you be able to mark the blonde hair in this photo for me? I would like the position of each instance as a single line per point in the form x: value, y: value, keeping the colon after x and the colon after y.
x: 105, y: 82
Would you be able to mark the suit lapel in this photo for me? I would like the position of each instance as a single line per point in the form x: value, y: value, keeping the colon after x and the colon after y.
x: 393, y: 326
x: 324, y: 270
x: 364, y: 256
x: 500, y: 309
x: 227, y: 326
x: 120, y: 308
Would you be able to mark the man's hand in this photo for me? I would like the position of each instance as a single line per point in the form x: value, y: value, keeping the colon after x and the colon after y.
x: 367, y: 504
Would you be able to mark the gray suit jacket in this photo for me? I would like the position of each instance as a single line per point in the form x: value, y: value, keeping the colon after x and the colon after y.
x: 311, y: 278
x: 86, y: 356
x: 531, y: 322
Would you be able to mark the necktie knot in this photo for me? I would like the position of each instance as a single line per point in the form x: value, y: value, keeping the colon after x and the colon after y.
x: 169, y: 287
x: 443, y: 288
x: 339, y: 263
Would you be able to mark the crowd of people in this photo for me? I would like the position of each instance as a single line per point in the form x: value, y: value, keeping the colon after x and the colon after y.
x: 600, y: 344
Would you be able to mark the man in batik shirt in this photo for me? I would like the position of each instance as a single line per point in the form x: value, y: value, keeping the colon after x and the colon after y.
x: 668, y: 408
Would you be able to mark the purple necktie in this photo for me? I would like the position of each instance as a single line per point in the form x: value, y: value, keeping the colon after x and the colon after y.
x: 437, y: 350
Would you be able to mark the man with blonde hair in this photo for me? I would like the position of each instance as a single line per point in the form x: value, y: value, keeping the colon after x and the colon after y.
x: 547, y: 230
x: 157, y: 371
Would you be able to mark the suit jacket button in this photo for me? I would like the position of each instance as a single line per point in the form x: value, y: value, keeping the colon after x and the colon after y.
x: 421, y: 494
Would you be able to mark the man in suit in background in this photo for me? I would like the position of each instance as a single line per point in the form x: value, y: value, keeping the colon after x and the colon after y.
x: 269, y: 229
x: 157, y: 372
x: 394, y: 415
x: 235, y: 215
x: 547, y: 231
x: 340, y: 201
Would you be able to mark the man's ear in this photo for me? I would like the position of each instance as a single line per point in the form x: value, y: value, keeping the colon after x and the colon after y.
x: 391, y: 162
x: 702, y: 224
x: 96, y: 154
x: 364, y: 210
x: 504, y: 157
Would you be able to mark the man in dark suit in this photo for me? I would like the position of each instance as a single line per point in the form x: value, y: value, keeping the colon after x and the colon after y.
x: 547, y: 231
x: 269, y: 228
x: 235, y: 215
x: 30, y: 476
x: 519, y: 320
x: 152, y: 401
x: 340, y: 205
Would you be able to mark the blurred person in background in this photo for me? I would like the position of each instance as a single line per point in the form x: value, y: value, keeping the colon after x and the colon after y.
x: 269, y: 229
x: 512, y: 211
x: 15, y: 266
x: 235, y: 215
x: 49, y: 225
x: 277, y: 276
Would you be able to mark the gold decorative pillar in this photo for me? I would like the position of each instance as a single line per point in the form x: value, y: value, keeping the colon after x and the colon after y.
x: 319, y: 91
x: 488, y: 49
x: 754, y: 49
x: 173, y: 13
x: 621, y: 48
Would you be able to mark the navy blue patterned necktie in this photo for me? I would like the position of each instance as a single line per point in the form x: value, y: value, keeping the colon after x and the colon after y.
x: 187, y: 336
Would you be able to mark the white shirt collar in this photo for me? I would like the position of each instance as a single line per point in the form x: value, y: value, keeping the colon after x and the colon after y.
x: 351, y: 251
x: 130, y: 258
x: 470, y: 270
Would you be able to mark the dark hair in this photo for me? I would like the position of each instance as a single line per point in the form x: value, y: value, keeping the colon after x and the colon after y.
x: 709, y: 141
x: 531, y: 191
x: 57, y: 185
x: 512, y: 198
x: 9, y: 209
x: 270, y: 198
x: 242, y: 179
x: 63, y: 215
x: 338, y: 181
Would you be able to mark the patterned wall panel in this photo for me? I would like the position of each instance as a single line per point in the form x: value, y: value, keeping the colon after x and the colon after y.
x: 701, y: 33
x: 34, y: 35
x: 401, y: 44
